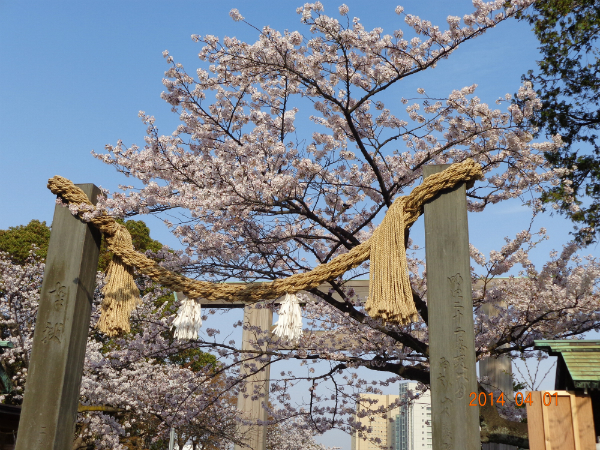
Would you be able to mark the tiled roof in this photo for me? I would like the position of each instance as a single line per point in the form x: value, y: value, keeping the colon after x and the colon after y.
x: 582, y: 359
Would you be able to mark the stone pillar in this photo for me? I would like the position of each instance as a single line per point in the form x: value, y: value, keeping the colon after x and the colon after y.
x: 455, y: 424
x: 257, y: 325
x: 499, y: 378
x: 61, y: 330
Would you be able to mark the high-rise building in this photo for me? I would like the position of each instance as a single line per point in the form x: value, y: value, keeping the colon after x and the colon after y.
x: 413, y: 422
x: 382, y: 425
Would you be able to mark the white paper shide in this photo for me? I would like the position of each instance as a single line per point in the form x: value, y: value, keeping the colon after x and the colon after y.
x: 289, y: 325
x: 188, y: 322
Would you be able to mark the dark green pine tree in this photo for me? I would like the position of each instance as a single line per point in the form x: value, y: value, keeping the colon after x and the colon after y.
x: 568, y: 82
x: 18, y: 241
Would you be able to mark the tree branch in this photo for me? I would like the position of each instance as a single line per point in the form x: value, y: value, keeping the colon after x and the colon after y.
x: 99, y: 408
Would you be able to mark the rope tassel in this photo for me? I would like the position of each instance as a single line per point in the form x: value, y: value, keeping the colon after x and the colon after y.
x: 289, y: 324
x: 121, y: 295
x: 390, y: 293
x: 188, y: 322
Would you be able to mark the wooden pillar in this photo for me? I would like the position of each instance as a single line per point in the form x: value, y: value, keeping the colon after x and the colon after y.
x: 61, y: 330
x: 257, y: 325
x: 499, y: 378
x: 455, y: 424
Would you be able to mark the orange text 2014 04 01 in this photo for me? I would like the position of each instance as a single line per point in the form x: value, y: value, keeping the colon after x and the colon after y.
x: 520, y: 398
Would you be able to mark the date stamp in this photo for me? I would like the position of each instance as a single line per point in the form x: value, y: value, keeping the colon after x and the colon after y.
x: 520, y: 398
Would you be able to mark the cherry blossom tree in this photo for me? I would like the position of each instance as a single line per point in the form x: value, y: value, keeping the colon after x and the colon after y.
x: 287, y: 155
x: 292, y: 435
x: 135, y: 388
x: 19, y: 294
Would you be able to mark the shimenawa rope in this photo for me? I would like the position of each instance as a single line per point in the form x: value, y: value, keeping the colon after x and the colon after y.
x: 390, y: 296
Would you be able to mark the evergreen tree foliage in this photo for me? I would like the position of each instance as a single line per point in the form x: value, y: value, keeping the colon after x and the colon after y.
x: 17, y: 241
x: 568, y: 82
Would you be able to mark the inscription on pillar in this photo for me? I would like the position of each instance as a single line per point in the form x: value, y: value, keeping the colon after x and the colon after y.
x: 445, y: 387
x: 55, y: 325
x: 460, y: 369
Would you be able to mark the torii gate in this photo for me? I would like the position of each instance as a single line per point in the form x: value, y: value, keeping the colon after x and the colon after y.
x: 50, y: 404
x: 262, y: 318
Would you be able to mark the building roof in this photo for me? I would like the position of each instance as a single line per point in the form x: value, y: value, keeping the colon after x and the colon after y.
x: 582, y: 359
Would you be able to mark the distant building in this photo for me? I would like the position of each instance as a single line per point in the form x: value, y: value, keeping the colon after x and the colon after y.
x: 413, y: 422
x: 383, y: 426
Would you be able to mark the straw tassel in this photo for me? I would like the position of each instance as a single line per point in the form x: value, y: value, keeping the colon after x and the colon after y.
x: 390, y: 293
x: 188, y: 322
x: 121, y: 294
x: 289, y: 324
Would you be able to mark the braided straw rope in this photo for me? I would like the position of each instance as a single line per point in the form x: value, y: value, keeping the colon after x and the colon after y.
x: 390, y: 296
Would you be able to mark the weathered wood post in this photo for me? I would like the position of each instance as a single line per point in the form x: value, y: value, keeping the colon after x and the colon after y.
x: 455, y: 424
x: 257, y: 386
x: 498, y: 371
x: 257, y: 324
x: 61, y: 330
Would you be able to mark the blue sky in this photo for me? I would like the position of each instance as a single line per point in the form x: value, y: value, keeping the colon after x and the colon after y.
x: 75, y: 74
